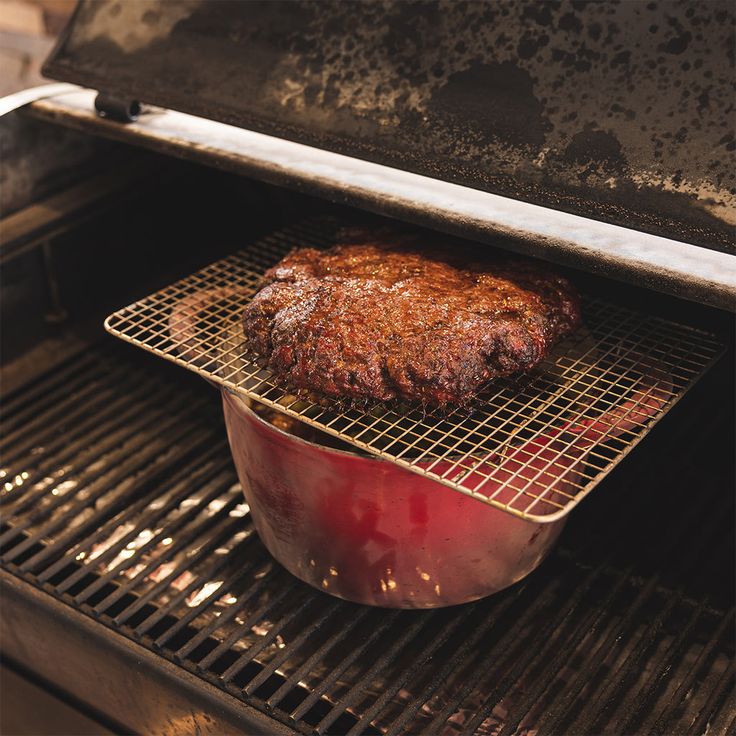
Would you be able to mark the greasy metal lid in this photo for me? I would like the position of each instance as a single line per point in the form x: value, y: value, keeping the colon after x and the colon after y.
x: 615, y: 111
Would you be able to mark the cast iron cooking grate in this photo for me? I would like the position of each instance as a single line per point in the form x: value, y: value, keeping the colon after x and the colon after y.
x: 533, y: 446
x: 118, y: 497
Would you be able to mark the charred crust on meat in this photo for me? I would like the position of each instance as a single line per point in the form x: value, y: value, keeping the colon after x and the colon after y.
x: 387, y: 317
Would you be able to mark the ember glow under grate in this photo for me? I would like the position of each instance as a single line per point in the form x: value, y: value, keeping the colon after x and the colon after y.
x: 533, y: 446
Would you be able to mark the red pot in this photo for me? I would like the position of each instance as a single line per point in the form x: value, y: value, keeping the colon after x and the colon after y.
x: 366, y: 530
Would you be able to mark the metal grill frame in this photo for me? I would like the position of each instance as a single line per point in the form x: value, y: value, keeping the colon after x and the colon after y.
x: 540, y: 487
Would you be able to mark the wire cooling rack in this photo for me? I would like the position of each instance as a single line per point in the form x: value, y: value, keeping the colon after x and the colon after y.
x: 533, y: 446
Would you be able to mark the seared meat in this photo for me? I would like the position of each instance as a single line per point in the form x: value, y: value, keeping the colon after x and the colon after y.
x: 394, y: 319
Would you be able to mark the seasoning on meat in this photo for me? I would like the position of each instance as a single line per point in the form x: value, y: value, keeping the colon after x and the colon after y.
x: 389, y: 317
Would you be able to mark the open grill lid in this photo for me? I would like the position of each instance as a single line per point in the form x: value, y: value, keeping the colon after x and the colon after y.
x: 617, y: 112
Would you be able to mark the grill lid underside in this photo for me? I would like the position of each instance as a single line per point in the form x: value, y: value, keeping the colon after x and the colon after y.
x: 615, y: 111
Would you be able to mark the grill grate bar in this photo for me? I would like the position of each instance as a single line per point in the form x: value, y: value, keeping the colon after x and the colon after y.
x: 662, y: 723
x: 183, y: 479
x: 582, y: 627
x: 585, y: 627
x: 68, y: 411
x: 257, y: 558
x: 625, y: 674
x: 255, y: 589
x: 351, y: 699
x: 309, y: 602
x: 318, y: 655
x: 225, y: 532
x: 17, y: 409
x: 718, y: 694
x: 227, y: 643
x: 725, y: 721
x: 211, y: 573
x: 86, y: 480
x: 457, y: 662
x: 642, y: 700
x: 196, y: 324
x: 85, y: 446
x: 726, y: 724
x: 100, y: 535
x: 332, y: 609
x: 420, y: 661
x: 565, y: 700
x: 124, y: 475
x: 530, y: 610
x: 211, y: 491
x: 508, y: 651
x: 329, y: 680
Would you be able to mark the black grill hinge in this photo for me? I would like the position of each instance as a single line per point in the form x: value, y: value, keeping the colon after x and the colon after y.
x: 120, y: 109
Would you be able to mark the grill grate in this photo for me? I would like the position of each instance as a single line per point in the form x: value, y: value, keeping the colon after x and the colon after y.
x: 126, y: 507
x: 534, y: 446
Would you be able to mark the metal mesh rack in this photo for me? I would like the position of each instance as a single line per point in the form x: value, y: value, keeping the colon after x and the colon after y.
x: 119, y: 501
x: 533, y: 446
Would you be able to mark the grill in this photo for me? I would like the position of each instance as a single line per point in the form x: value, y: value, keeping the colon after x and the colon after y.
x: 119, y: 499
x: 136, y: 592
x: 520, y: 449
